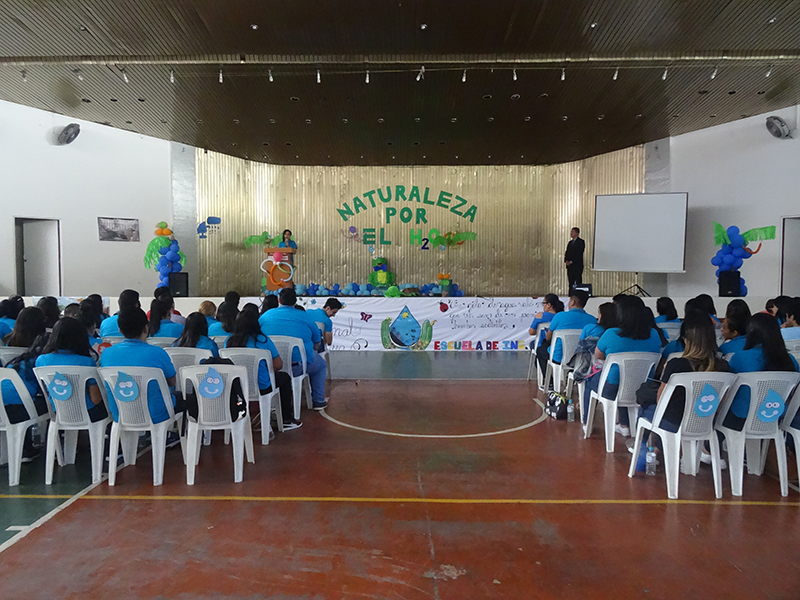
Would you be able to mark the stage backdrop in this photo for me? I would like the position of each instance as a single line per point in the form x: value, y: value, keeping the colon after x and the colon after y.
x: 342, y: 217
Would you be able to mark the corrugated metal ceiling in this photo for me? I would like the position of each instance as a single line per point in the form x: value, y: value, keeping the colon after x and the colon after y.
x: 73, y: 57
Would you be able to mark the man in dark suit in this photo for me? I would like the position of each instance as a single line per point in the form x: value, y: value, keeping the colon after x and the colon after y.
x: 573, y: 258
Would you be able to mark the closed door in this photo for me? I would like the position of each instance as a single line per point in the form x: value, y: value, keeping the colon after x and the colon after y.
x: 790, y: 263
x: 41, y: 257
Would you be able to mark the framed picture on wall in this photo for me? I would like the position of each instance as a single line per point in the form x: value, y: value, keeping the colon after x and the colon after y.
x: 118, y: 230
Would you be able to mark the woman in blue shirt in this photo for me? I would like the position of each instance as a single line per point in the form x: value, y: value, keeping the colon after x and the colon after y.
x: 195, y: 335
x: 247, y: 334
x: 764, y: 350
x: 734, y: 326
x: 160, y: 324
x: 666, y: 310
x: 69, y: 346
x: 208, y: 309
x: 551, y: 306
x: 288, y: 243
x: 226, y: 316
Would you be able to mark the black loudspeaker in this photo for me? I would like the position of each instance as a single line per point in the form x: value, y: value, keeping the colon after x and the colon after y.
x: 730, y: 283
x: 179, y: 285
x: 584, y: 287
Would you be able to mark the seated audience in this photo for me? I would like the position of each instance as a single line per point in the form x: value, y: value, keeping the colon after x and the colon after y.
x: 72, y: 310
x: 195, y: 335
x: 52, y: 313
x: 324, y: 315
x: 209, y: 310
x: 160, y: 324
x: 667, y: 313
x: 87, y: 315
x: 127, y: 299
x: 706, y: 303
x: 270, y: 301
x: 162, y: 293
x: 606, y: 319
x: 252, y: 308
x: 9, y: 309
x: 791, y: 326
x: 779, y: 308
x: 551, y: 306
x: 134, y: 351
x: 652, y: 321
x: 226, y: 316
x: 68, y: 346
x: 100, y: 308
x: 233, y: 298
x: 574, y: 318
x: 29, y: 325
x: 286, y: 320
x: 247, y: 334
x: 734, y: 327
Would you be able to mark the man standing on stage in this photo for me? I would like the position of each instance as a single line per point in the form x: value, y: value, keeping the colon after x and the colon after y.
x: 573, y: 258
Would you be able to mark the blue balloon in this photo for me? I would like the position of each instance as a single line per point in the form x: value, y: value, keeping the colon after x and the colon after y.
x: 737, y: 263
x: 744, y: 290
x: 369, y: 287
x: 726, y: 249
x: 740, y: 252
x: 164, y: 270
x: 172, y: 256
x: 163, y: 250
x: 716, y: 261
x: 737, y: 241
x: 728, y: 259
x: 732, y: 231
x: 163, y: 261
x: 174, y: 245
x: 716, y: 273
x: 177, y: 267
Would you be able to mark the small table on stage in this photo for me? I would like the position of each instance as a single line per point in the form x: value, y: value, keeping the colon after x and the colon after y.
x: 280, y: 279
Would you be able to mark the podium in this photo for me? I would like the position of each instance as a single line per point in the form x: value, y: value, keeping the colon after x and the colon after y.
x: 279, y: 278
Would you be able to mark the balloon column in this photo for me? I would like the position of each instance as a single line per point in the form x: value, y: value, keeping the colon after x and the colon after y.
x: 734, y: 251
x: 164, y: 254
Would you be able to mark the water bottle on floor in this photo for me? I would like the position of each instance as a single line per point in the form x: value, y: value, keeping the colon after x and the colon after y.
x: 650, y: 461
x: 36, y: 436
x: 570, y: 412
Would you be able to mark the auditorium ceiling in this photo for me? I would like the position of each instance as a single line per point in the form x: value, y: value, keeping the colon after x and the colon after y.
x: 407, y: 82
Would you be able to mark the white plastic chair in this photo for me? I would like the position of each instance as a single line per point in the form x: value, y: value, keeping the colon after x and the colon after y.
x: 326, y: 354
x: 557, y: 371
x: 285, y: 345
x: 8, y: 353
x: 534, y: 364
x: 70, y: 415
x: 757, y: 433
x: 134, y: 417
x: 693, y: 430
x: 634, y: 369
x: 161, y: 342
x: 186, y: 357
x: 673, y: 330
x: 113, y: 340
x: 14, y: 434
x: 220, y: 340
x: 249, y: 358
x: 792, y: 409
x: 215, y: 413
x: 796, y: 354
x: 581, y: 392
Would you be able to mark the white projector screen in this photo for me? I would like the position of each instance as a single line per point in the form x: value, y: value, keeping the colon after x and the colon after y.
x: 641, y: 233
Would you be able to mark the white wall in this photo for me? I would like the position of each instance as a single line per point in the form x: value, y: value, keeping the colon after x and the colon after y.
x: 105, y: 173
x: 735, y: 174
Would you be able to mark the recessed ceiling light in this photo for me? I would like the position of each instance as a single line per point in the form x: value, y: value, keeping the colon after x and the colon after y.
x: 527, y: 118
x: 294, y: 99
x: 593, y: 25
x: 416, y: 119
x: 308, y: 121
x: 380, y: 120
x: 272, y: 121
x: 487, y: 97
x: 233, y: 143
x: 253, y: 26
x: 236, y: 121
x: 344, y: 120
x: 424, y: 156
x: 490, y: 119
x: 544, y: 95
x: 639, y: 116
x: 453, y: 119
x: 393, y: 158
x: 423, y: 26
x: 600, y: 117
x: 564, y: 118
x: 515, y: 96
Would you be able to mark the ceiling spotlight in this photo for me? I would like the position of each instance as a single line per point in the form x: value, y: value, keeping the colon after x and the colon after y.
x: 319, y: 80
x: 124, y: 76
x: 714, y: 74
x: 464, y: 76
x: 664, y: 74
x: 269, y: 72
x: 253, y: 26
x: 593, y: 25
x: 366, y: 79
x: 616, y: 74
x: 772, y: 20
x: 421, y: 74
x: 769, y: 71
x: 171, y: 76
x: 220, y: 76
x: 514, y: 76
x: 423, y: 26
x: 563, y: 74
x: 24, y: 74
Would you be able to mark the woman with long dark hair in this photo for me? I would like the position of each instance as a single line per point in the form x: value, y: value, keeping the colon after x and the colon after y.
x: 69, y: 346
x: 226, y: 317
x: 160, y: 324
x: 734, y: 326
x: 195, y: 334
x: 29, y: 325
x: 52, y: 313
x: 247, y: 334
x: 667, y: 313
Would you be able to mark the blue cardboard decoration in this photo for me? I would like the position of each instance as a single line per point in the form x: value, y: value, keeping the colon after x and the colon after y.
x: 707, y: 402
x: 771, y: 408
x: 126, y: 390
x: 59, y: 387
x: 211, y: 387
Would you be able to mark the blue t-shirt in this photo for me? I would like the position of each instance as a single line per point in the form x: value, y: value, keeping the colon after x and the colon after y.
x: 547, y: 317
x: 5, y: 329
x: 109, y: 327
x: 575, y: 318
x: 733, y: 346
x: 287, y: 320
x: 136, y: 353
x: 264, y: 343
x: 318, y: 316
x: 8, y: 322
x: 290, y: 257
x: 663, y: 319
x: 592, y: 330
x: 25, y: 371
x: 62, y: 358
x: 205, y: 343
x: 672, y: 347
x: 216, y: 330
x: 169, y: 329
x: 748, y: 361
x: 790, y: 333
x: 211, y: 321
x: 611, y: 342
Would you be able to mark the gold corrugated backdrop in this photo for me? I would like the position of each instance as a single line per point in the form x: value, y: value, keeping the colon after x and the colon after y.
x: 524, y: 214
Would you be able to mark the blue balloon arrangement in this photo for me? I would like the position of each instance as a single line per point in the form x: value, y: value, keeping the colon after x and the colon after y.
x: 734, y: 251
x: 354, y: 289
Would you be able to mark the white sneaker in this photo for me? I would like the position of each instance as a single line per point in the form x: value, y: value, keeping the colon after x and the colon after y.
x: 629, y: 444
x: 622, y: 430
x: 705, y: 458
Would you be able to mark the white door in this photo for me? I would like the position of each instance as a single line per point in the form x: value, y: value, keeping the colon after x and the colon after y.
x: 41, y: 257
x: 790, y: 263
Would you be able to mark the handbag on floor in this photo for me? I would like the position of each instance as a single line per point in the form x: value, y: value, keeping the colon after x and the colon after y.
x: 556, y: 406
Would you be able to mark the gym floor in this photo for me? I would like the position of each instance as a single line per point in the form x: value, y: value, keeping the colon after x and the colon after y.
x: 403, y: 488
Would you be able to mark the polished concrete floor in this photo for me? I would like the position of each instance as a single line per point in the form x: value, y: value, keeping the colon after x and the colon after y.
x: 415, y: 490
x: 429, y: 365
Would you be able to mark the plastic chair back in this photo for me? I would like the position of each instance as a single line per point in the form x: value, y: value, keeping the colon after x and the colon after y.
x: 249, y: 359
x: 214, y: 412
x: 285, y: 345
x: 161, y: 342
x: 70, y: 412
x: 760, y: 383
x: 634, y: 369
x: 569, y: 343
x: 8, y: 353
x: 22, y: 391
x: 673, y: 330
x: 186, y: 357
x: 134, y: 414
x: 796, y: 354
x: 692, y: 424
x: 220, y: 340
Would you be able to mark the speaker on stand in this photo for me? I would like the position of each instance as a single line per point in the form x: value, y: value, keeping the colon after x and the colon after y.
x: 179, y: 285
x: 730, y: 283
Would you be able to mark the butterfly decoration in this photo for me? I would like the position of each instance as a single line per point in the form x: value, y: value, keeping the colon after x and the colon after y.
x: 365, y: 317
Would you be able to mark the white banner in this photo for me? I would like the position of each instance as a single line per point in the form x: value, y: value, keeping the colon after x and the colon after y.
x: 457, y: 324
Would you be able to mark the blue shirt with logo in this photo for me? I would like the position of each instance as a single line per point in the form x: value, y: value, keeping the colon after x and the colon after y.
x: 288, y: 321
x: 611, y: 342
x: 136, y: 353
x: 63, y: 358
x: 575, y: 318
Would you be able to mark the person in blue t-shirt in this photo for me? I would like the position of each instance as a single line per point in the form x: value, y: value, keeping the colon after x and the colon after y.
x: 160, y: 323
x: 226, y: 316
x: 606, y: 319
x: 636, y: 333
x: 9, y: 309
x: 551, y: 306
x: 134, y: 351
x: 764, y: 350
x: 247, y: 334
x: 791, y: 326
x: 209, y: 310
x: 287, y: 242
x: 127, y: 299
x: 574, y: 318
x: 69, y: 346
x: 734, y: 327
x: 324, y: 315
x: 287, y: 320
x: 667, y: 313
x: 195, y: 335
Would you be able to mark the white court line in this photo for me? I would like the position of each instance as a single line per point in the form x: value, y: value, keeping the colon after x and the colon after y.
x: 543, y: 417
x: 16, y: 527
